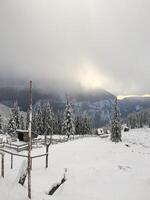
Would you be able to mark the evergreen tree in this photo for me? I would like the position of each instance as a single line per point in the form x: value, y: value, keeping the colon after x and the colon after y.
x: 16, y: 115
x: 68, y: 122
x: 11, y: 128
x: 116, y: 123
x: 47, y: 119
x: 139, y: 119
x: 22, y: 126
x: 39, y: 121
x: 86, y: 126
x: 58, y: 124
x: 82, y: 125
x: 79, y: 125
x: 27, y: 120
x: 43, y: 120
x: 34, y: 122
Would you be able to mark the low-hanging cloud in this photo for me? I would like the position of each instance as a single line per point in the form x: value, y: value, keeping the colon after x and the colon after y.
x: 52, y: 42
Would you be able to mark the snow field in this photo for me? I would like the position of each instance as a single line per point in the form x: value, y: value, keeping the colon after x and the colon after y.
x: 96, y: 169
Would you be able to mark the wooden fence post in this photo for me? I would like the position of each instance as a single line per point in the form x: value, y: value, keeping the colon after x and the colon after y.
x: 11, y: 161
x: 47, y: 147
x: 31, y: 163
x: 2, y: 170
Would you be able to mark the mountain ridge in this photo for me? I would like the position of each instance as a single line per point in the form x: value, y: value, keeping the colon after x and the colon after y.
x: 95, y: 103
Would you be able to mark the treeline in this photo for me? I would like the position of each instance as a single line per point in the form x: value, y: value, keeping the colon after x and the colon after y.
x: 139, y: 119
x: 46, y: 122
x: 16, y: 121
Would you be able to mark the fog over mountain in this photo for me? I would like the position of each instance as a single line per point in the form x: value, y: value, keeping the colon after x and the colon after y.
x: 97, y: 104
x: 75, y: 44
x: 88, y: 50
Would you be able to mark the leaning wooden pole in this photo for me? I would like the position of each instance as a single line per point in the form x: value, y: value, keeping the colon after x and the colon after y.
x: 30, y: 142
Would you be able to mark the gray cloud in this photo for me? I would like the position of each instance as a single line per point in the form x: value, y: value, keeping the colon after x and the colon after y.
x: 54, y: 42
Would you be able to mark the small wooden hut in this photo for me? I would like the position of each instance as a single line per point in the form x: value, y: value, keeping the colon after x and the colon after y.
x: 23, y: 135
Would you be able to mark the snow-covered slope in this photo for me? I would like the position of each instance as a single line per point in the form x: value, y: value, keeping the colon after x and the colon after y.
x: 96, y: 169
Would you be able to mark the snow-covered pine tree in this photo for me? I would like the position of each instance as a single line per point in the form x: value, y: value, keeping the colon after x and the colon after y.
x: 116, y: 123
x: 47, y: 120
x: 22, y: 126
x: 27, y: 120
x: 68, y: 121
x: 58, y: 123
x: 86, y: 126
x: 78, y: 125
x: 34, y: 122
x: 82, y: 125
x: 11, y: 128
x: 16, y: 115
x: 39, y: 120
x: 51, y: 119
x: 1, y: 127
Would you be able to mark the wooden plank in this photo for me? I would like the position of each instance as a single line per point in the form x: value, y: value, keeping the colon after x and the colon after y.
x: 38, y: 156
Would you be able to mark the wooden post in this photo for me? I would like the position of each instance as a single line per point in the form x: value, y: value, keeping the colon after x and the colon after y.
x: 45, y: 138
x: 11, y: 161
x: 2, y: 171
x: 31, y: 163
x: 30, y: 143
x: 47, y: 147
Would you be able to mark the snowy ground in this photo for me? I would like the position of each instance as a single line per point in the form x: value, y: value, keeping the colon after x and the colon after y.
x: 96, y: 169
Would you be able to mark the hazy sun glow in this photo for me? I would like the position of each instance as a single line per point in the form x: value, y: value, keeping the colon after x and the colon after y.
x: 120, y: 97
x: 90, y: 78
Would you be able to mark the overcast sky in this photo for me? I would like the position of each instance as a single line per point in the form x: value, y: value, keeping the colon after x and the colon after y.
x: 72, y: 43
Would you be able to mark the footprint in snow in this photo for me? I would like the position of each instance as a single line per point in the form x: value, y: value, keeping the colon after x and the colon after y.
x: 125, y: 168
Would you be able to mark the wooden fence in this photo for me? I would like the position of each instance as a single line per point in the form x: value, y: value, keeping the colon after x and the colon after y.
x: 16, y: 147
x: 12, y: 154
x: 22, y: 147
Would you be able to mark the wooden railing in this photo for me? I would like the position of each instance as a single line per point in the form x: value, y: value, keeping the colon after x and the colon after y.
x: 16, y: 147
x: 22, y: 147
x: 21, y: 155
